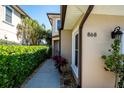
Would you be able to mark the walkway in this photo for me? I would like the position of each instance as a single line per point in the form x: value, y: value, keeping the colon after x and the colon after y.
x: 46, y: 76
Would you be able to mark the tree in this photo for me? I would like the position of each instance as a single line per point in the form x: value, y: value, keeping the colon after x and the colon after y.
x: 29, y: 31
x: 48, y: 36
x: 24, y: 30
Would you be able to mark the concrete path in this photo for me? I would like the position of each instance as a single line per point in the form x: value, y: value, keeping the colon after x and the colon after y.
x: 46, y: 76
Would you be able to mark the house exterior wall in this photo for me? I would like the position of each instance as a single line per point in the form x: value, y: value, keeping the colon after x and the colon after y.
x: 66, y: 44
x: 54, y: 26
x: 7, y: 29
x: 93, y: 74
x: 55, y: 33
x: 75, y: 30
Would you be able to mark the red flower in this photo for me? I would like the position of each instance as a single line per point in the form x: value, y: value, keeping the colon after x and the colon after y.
x: 59, y: 60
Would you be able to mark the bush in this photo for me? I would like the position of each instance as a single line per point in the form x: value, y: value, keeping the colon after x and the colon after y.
x: 6, y: 42
x: 49, y: 51
x: 18, y: 62
x: 60, y: 63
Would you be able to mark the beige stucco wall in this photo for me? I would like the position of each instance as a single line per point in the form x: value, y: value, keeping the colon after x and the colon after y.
x: 75, y: 30
x: 54, y: 20
x: 6, y: 29
x: 93, y: 72
x: 66, y: 44
x: 55, y: 33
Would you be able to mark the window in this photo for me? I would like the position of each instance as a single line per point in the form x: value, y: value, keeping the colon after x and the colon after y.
x: 58, y: 24
x: 122, y: 43
x: 8, y: 14
x: 76, y: 50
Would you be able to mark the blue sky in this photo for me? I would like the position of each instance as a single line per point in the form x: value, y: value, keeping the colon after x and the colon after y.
x: 38, y: 12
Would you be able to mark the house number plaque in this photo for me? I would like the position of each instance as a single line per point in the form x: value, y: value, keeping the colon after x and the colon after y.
x: 91, y: 34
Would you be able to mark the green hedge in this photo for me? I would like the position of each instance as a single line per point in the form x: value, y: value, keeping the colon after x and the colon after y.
x: 6, y: 42
x: 18, y: 62
x: 49, y: 52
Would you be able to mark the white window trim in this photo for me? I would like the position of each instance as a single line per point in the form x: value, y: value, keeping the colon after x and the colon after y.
x: 4, y: 17
x: 122, y: 42
x: 74, y: 68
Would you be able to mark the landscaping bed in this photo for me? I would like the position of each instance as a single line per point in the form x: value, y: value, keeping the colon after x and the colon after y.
x: 18, y: 62
x: 67, y: 80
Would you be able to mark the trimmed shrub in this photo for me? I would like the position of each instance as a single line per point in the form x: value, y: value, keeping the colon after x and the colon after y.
x: 18, y: 62
x: 6, y: 42
x: 49, y: 51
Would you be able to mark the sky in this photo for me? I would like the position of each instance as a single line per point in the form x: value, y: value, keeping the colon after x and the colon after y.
x: 39, y: 12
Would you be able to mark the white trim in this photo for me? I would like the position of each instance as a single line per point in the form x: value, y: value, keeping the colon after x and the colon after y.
x: 56, y: 26
x: 74, y: 68
x: 122, y: 42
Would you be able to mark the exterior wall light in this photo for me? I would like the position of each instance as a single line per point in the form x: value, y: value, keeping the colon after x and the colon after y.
x: 116, y: 33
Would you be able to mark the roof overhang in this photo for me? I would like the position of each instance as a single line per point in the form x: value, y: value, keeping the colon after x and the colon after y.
x: 18, y: 9
x: 70, y: 14
x: 52, y: 15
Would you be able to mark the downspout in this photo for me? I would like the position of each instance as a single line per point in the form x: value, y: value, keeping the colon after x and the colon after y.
x: 63, y: 13
x: 59, y: 42
x: 90, y: 8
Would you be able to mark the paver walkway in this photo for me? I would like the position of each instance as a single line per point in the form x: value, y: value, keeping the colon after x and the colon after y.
x: 46, y: 76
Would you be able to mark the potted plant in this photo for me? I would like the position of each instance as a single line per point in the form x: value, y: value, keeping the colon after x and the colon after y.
x: 60, y: 63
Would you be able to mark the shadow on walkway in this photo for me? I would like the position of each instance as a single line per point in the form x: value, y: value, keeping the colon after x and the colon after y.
x: 47, y: 76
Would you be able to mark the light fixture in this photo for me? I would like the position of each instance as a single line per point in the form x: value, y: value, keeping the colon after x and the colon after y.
x: 116, y: 33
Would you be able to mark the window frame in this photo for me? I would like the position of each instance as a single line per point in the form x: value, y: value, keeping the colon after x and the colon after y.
x: 76, y: 49
x: 74, y: 67
x: 122, y: 43
x: 56, y: 29
x: 10, y: 23
x: 58, y: 21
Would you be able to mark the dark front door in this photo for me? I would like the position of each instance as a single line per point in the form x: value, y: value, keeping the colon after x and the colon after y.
x: 56, y: 47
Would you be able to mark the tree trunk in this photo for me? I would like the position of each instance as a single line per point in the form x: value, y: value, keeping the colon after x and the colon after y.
x: 116, y: 80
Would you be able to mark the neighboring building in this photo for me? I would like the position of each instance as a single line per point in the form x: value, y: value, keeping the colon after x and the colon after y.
x: 54, y: 19
x: 10, y: 17
x: 85, y: 36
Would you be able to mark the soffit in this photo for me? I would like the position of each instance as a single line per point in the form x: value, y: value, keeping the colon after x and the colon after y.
x: 73, y: 14
x: 17, y: 8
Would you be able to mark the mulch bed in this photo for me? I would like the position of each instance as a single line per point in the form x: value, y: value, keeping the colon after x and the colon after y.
x: 67, y: 80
